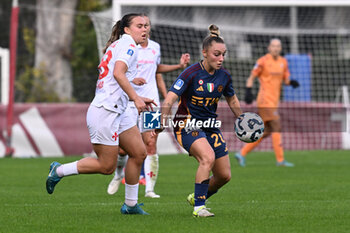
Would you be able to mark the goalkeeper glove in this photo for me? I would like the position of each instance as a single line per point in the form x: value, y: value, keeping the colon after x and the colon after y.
x: 294, y: 83
x: 248, y: 98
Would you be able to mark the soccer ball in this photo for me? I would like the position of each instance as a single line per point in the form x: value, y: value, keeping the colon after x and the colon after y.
x: 249, y: 127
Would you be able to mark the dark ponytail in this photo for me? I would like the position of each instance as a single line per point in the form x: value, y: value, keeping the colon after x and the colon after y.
x: 118, y: 28
x: 213, y: 36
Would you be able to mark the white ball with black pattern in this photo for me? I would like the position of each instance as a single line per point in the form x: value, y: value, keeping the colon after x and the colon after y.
x: 249, y: 127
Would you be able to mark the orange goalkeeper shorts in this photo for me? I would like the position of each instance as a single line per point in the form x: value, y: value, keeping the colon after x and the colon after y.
x: 268, y: 114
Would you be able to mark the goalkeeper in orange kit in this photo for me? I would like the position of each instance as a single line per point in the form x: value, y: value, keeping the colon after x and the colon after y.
x: 272, y: 71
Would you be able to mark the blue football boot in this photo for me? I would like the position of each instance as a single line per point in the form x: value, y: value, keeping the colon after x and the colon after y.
x: 240, y: 159
x: 284, y: 163
x: 52, y: 178
x: 136, y: 209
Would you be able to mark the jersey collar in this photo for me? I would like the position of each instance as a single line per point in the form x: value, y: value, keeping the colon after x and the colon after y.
x: 129, y: 37
x: 149, y: 46
x: 203, y: 68
x: 271, y: 57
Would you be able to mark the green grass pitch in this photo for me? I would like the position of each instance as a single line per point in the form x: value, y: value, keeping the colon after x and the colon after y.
x: 314, y: 196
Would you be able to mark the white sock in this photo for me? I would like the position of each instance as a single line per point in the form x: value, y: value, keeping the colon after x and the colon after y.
x: 151, y: 171
x: 131, y: 194
x: 121, y: 162
x: 68, y: 169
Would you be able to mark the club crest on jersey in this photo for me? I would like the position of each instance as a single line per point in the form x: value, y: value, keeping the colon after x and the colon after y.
x: 130, y: 52
x: 179, y: 83
x: 200, y: 88
x: 195, y: 133
x: 210, y: 87
x: 200, y: 82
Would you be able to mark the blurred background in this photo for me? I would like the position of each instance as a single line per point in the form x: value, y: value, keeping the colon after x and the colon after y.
x: 59, y: 44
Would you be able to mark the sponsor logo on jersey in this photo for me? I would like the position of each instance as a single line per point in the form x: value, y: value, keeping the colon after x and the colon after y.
x: 220, y: 88
x: 210, y: 87
x: 130, y: 52
x: 200, y: 88
x: 179, y: 83
x: 200, y: 82
x: 132, y: 45
x: 151, y: 120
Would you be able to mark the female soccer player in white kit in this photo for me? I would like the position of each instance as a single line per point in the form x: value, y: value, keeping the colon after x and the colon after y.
x: 109, y: 119
x: 145, y: 84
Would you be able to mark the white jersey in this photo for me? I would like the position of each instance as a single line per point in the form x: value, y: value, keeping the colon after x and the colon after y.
x: 108, y: 92
x: 148, y: 60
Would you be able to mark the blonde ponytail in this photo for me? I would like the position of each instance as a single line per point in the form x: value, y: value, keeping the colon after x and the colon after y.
x: 214, y: 30
x: 213, y: 36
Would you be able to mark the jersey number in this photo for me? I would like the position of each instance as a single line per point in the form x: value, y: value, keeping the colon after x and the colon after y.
x: 217, y: 136
x: 103, y: 66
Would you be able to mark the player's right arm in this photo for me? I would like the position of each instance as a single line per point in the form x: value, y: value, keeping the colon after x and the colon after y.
x: 166, y: 109
x: 250, y: 81
x: 119, y: 71
x: 249, y: 97
x: 168, y: 103
x: 176, y: 90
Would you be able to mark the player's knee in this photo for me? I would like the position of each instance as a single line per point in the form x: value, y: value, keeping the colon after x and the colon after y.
x: 151, y: 148
x: 143, y: 155
x: 226, y: 177
x: 275, y: 126
x: 207, y: 162
x: 139, y: 156
x: 108, y: 169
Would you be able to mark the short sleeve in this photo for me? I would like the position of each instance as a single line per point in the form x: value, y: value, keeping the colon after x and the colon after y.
x: 229, y: 91
x: 158, y: 58
x: 181, y: 83
x: 127, y: 54
x: 258, y: 67
x: 286, y: 70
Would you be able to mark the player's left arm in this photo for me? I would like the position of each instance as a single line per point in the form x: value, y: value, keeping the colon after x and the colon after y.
x: 184, y: 61
x: 161, y: 85
x: 234, y: 105
x: 286, y: 75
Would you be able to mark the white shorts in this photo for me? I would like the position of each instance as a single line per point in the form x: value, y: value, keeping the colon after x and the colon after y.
x: 138, y: 119
x: 105, y: 126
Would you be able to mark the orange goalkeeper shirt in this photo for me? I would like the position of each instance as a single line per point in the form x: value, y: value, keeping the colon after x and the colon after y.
x: 271, y: 72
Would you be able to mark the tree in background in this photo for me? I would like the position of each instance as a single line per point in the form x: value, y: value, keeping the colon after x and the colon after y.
x: 85, y: 53
x: 57, y: 55
x: 54, y: 35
